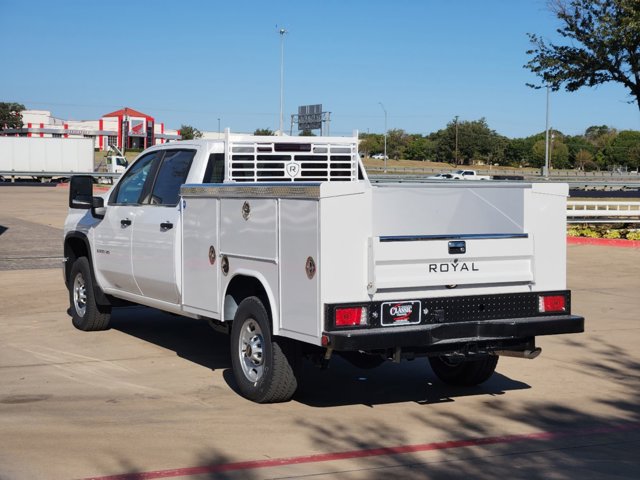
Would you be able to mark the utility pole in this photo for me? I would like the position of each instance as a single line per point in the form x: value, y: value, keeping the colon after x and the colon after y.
x: 456, y: 139
x: 282, y: 32
x: 385, y: 136
x: 218, y: 128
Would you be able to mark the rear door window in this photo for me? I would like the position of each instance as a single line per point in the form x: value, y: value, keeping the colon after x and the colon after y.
x: 171, y: 175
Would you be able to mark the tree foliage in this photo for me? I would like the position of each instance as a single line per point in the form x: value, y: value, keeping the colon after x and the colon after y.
x: 11, y: 115
x: 600, y: 147
x: 602, y: 45
x: 263, y: 131
x: 187, y: 132
x: 476, y: 142
x: 371, y: 143
x: 624, y: 149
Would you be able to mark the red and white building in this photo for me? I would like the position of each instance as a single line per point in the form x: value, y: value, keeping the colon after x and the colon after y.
x: 125, y: 127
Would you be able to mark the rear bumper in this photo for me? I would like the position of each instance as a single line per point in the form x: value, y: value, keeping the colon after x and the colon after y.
x: 449, y: 336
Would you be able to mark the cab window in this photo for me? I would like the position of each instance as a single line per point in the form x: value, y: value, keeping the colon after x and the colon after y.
x: 130, y: 187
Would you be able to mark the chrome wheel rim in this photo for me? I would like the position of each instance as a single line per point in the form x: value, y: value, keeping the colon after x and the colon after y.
x: 250, y: 350
x: 80, y: 295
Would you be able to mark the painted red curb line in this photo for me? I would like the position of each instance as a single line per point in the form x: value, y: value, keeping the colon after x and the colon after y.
x: 605, y: 242
x: 373, y: 452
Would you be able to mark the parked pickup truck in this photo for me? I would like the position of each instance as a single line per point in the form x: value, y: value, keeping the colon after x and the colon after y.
x: 468, y: 175
x: 284, y: 244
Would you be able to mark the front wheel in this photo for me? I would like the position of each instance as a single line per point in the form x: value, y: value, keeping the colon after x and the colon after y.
x: 464, y: 373
x: 85, y: 313
x: 264, y: 367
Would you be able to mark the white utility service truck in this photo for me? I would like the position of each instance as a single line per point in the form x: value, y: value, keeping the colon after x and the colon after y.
x: 285, y: 244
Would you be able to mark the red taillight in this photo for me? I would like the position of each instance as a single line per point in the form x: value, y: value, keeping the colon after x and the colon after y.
x: 351, y: 316
x: 552, y: 303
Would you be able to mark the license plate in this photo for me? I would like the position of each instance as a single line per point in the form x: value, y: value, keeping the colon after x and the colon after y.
x: 401, y: 313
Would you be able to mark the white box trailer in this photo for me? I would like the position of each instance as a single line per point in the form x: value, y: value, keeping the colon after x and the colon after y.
x: 285, y: 244
x: 45, y: 158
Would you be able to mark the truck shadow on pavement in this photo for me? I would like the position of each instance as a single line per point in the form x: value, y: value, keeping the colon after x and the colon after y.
x: 3, y: 229
x: 191, y: 339
x: 340, y: 384
x: 344, y: 384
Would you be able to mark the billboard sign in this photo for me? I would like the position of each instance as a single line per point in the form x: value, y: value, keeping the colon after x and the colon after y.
x: 310, y: 117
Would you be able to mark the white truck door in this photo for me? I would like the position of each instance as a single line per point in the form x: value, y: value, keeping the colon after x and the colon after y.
x: 112, y: 237
x: 156, y: 249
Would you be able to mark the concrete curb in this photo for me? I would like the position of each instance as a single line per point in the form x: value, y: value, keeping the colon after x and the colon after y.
x: 604, y: 242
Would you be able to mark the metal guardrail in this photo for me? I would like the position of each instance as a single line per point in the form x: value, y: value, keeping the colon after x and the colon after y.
x: 629, y: 182
x: 528, y: 174
x: 13, y: 174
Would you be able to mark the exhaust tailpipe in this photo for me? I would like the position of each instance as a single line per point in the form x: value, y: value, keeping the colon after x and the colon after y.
x: 528, y: 354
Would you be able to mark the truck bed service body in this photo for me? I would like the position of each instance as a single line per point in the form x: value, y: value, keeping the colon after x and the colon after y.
x: 285, y: 244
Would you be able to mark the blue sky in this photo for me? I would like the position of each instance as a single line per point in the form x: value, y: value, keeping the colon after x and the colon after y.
x: 196, y: 61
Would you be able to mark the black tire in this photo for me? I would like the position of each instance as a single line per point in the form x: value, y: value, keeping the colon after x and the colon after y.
x: 265, y: 368
x: 85, y: 313
x: 465, y: 373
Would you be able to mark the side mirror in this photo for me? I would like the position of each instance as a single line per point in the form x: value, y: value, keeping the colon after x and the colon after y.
x: 81, y: 196
x: 81, y: 192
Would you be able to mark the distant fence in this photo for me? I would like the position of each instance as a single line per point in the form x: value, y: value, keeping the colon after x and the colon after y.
x: 602, y: 212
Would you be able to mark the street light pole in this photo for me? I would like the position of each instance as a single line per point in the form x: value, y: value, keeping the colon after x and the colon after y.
x: 546, y: 141
x: 385, y: 136
x: 218, y: 127
x: 282, y: 32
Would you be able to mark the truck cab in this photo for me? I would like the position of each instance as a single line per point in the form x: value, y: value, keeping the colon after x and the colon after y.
x: 116, y: 163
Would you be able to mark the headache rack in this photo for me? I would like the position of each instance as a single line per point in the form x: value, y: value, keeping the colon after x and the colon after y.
x: 291, y: 159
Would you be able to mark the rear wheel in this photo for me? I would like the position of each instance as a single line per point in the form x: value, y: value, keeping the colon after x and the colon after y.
x: 264, y: 367
x: 464, y: 373
x: 85, y: 313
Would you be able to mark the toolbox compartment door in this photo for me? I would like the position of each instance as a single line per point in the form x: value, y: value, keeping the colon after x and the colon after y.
x: 449, y: 234
x: 428, y: 262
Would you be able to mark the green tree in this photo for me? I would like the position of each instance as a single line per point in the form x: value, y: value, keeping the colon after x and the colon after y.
x: 263, y: 131
x: 624, y: 149
x: 602, y: 45
x: 476, y: 142
x: 518, y: 152
x: 578, y: 143
x: 559, y: 152
x: 371, y: 143
x: 419, y: 148
x: 397, y: 141
x: 307, y: 133
x: 583, y: 160
x: 187, y: 132
x: 10, y: 115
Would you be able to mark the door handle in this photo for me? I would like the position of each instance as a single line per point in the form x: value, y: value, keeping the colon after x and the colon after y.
x: 164, y: 226
x: 125, y: 222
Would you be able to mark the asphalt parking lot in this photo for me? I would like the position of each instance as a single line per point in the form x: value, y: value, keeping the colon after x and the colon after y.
x: 153, y: 397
